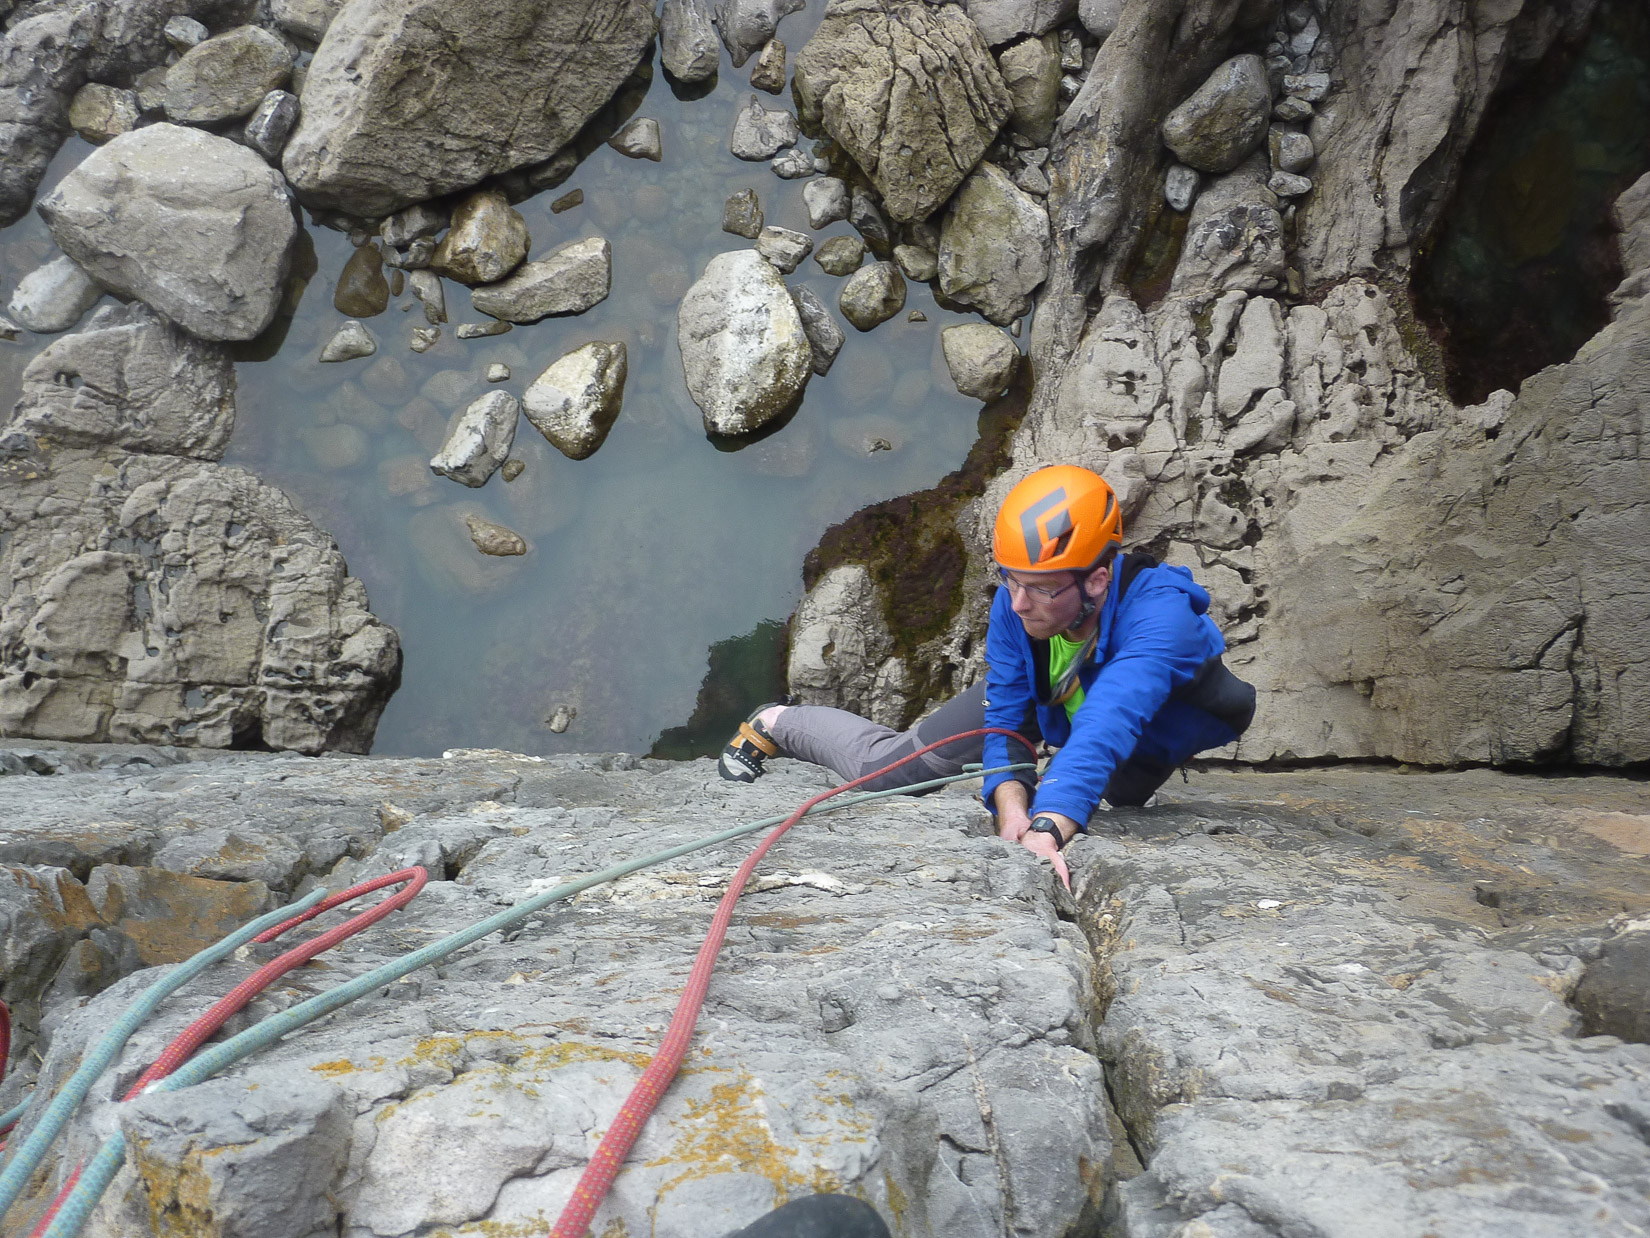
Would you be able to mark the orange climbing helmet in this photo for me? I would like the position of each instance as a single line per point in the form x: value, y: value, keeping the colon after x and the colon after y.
x: 1060, y: 519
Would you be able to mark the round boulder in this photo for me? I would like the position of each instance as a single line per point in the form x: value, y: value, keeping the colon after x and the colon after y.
x: 1224, y: 119
x: 226, y: 77
x: 744, y: 351
x: 198, y: 227
x: 981, y: 358
x: 575, y: 402
x: 873, y: 295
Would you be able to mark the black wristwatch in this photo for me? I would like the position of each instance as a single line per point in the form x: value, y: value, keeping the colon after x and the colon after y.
x: 1045, y: 824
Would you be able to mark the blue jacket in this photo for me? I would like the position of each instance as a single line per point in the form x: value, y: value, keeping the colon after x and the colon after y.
x: 1152, y: 640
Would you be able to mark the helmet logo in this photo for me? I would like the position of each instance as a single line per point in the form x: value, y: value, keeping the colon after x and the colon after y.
x: 1056, y: 530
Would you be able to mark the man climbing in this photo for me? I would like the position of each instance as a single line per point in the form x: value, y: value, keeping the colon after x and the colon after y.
x: 1111, y: 659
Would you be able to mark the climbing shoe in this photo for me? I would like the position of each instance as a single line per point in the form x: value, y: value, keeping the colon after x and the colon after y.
x: 743, y: 755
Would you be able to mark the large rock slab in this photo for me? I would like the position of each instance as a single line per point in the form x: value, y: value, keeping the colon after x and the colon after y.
x: 909, y: 90
x: 131, y: 381
x: 412, y: 99
x: 197, y: 226
x: 744, y: 350
x: 994, y: 246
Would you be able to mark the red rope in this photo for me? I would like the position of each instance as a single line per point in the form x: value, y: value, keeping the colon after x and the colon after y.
x: 598, y: 1176
x: 197, y: 1033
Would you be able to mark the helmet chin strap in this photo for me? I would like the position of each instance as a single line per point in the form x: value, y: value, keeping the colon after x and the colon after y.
x: 1089, y: 605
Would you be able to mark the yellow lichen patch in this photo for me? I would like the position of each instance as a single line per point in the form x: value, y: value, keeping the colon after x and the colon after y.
x: 729, y: 1132
x: 441, y: 1050
x: 898, y: 1204
x: 566, y: 1052
x: 336, y: 1067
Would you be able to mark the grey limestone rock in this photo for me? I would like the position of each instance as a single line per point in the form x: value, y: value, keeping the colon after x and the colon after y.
x: 54, y: 297
x: 868, y: 220
x: 1312, y: 87
x: 982, y: 359
x: 872, y: 295
x: 793, y: 164
x: 42, y: 64
x: 422, y: 219
x: 1100, y: 17
x: 1613, y: 994
x: 576, y: 400
x: 1288, y: 185
x: 1234, y: 237
x: 994, y: 246
x: 909, y: 90
x: 917, y: 262
x: 760, y: 133
x: 841, y: 255
x: 783, y: 247
x: 744, y: 351
x: 1180, y: 185
x: 185, y: 32
x: 130, y: 381
x: 98, y: 112
x: 1224, y: 119
x: 349, y: 342
x: 1291, y: 151
x: 639, y: 139
x: 427, y: 290
x: 687, y: 41
x: 487, y: 240
x: 768, y: 73
x: 742, y: 214
x: 305, y: 19
x: 226, y: 76
x: 568, y: 280
x: 1001, y: 21
x: 494, y: 92
x: 478, y: 439
x: 748, y: 26
x: 827, y: 200
x: 270, y: 124
x: 1031, y: 74
x: 825, y: 338
x: 197, y: 226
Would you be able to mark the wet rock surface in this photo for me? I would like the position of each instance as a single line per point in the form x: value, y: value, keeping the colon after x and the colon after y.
x: 479, y: 439
x: 1280, y: 980
x: 195, y: 225
x: 575, y: 402
x: 568, y: 280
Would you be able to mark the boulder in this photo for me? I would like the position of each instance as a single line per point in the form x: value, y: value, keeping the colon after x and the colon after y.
x: 100, y: 112
x: 783, y: 247
x: 412, y: 99
x: 575, y: 402
x: 1031, y: 75
x: 226, y: 77
x: 982, y: 359
x: 768, y: 73
x: 872, y: 295
x: 495, y: 539
x: 994, y: 246
x: 184, y: 32
x: 909, y: 90
x: 1613, y: 994
x: 825, y: 338
x: 1100, y: 17
x: 1001, y: 21
x: 131, y: 381
x: 487, y: 240
x: 742, y: 214
x: 1291, y: 151
x: 687, y: 41
x: 827, y: 200
x: 917, y: 262
x: 1224, y: 119
x: 568, y: 280
x: 760, y: 133
x: 270, y: 124
x: 195, y: 225
x: 841, y: 255
x: 744, y: 351
x: 479, y: 439
x: 639, y: 139
x: 305, y: 19
x: 1234, y: 236
x: 362, y: 290
x: 54, y: 297
x: 349, y: 342
x: 1180, y: 185
x: 794, y: 164
x: 42, y: 64
x: 747, y: 26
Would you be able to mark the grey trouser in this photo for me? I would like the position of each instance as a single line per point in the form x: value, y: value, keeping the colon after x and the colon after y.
x: 853, y: 747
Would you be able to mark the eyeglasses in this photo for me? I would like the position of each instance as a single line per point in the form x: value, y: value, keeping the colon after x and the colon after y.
x: 1046, y: 594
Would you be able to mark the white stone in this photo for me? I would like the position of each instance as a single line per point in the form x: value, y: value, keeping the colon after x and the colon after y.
x: 350, y: 341
x: 478, y: 439
x: 575, y: 402
x: 53, y: 297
